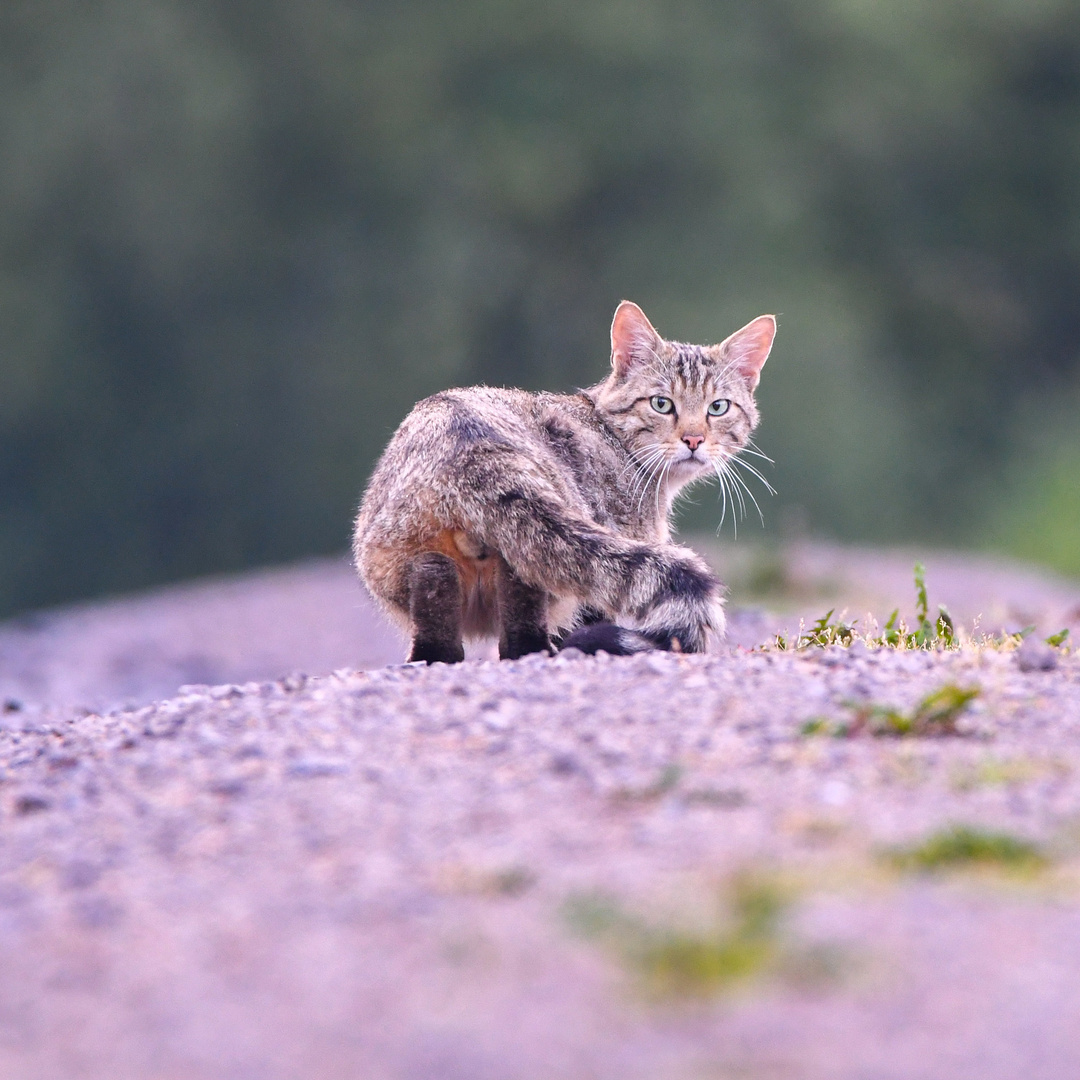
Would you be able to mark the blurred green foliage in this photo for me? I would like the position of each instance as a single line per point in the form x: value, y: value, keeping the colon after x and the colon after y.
x: 238, y: 240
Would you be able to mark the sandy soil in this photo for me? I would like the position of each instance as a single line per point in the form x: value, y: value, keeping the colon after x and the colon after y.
x: 532, y: 869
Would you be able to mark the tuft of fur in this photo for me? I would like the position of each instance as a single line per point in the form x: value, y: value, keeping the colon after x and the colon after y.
x: 541, y: 517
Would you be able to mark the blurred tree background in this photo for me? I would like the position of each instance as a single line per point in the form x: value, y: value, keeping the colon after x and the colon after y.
x: 238, y: 240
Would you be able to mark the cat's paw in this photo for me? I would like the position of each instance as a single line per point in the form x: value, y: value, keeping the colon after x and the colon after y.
x: 609, y: 638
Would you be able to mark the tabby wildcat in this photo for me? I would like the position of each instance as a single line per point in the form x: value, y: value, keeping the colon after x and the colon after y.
x: 544, y: 517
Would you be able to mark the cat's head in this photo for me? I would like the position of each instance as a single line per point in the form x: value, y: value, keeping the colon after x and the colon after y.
x: 682, y: 410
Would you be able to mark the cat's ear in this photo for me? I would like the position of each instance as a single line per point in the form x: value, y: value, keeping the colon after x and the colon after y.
x: 747, y: 349
x: 633, y: 339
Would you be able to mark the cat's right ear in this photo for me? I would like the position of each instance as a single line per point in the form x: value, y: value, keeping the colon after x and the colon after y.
x: 633, y: 339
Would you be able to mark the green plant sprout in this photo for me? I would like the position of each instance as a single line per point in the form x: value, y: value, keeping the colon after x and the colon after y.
x: 1058, y: 639
x: 936, y: 633
x: 963, y: 847
x: 824, y: 632
x: 936, y: 715
x: 683, y: 963
x: 664, y: 784
x: 993, y: 771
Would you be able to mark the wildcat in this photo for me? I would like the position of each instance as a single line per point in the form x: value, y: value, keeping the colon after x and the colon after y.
x: 543, y: 518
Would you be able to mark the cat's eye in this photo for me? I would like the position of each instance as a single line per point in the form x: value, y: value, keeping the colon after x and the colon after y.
x: 719, y: 407
x: 662, y: 404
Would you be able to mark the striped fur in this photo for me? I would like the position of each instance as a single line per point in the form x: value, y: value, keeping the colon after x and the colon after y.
x: 497, y: 512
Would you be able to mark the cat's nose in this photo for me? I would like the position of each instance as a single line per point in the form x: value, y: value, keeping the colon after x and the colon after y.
x: 693, y: 441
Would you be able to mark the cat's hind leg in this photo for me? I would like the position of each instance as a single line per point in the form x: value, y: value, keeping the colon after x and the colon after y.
x: 435, y: 596
x: 523, y: 612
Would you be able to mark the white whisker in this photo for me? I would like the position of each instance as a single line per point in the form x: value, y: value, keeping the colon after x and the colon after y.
x: 724, y: 475
x: 733, y: 476
x: 644, y: 474
x: 757, y: 454
x: 742, y: 483
x: 750, y: 468
x: 723, y: 496
x: 757, y: 451
x: 660, y: 484
x: 657, y: 477
x: 657, y: 463
x: 638, y: 464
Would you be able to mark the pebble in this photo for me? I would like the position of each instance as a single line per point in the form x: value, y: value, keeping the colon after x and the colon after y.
x: 1035, y: 655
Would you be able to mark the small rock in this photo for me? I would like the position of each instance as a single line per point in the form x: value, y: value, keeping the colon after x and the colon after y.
x: 79, y: 874
x: 909, y: 662
x: 97, y: 912
x: 209, y: 735
x: 31, y: 804
x: 564, y: 764
x: 12, y: 894
x: 835, y: 793
x: 308, y: 768
x: 162, y: 725
x: 535, y: 658
x: 1035, y: 655
x: 229, y: 787
x: 221, y: 693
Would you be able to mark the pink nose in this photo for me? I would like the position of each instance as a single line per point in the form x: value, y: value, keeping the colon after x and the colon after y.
x: 693, y: 441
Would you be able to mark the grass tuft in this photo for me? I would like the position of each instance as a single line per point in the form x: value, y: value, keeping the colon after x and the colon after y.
x: 935, y: 716
x: 929, y: 633
x: 992, y: 771
x: 506, y: 881
x: 679, y: 963
x: 664, y: 784
x: 963, y: 847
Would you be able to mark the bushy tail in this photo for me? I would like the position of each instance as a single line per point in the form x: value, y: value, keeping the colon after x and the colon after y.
x: 668, y: 591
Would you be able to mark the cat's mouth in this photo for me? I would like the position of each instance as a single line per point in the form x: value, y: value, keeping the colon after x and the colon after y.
x: 693, y: 459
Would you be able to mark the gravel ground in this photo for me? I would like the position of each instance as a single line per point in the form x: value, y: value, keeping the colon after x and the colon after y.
x: 314, y: 617
x: 370, y: 874
x: 532, y: 869
x: 137, y: 649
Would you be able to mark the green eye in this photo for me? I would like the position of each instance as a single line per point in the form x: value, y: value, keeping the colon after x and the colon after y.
x: 718, y: 408
x: 662, y: 404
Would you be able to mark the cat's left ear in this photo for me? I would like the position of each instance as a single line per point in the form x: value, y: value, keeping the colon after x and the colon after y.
x: 633, y: 339
x: 747, y: 349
